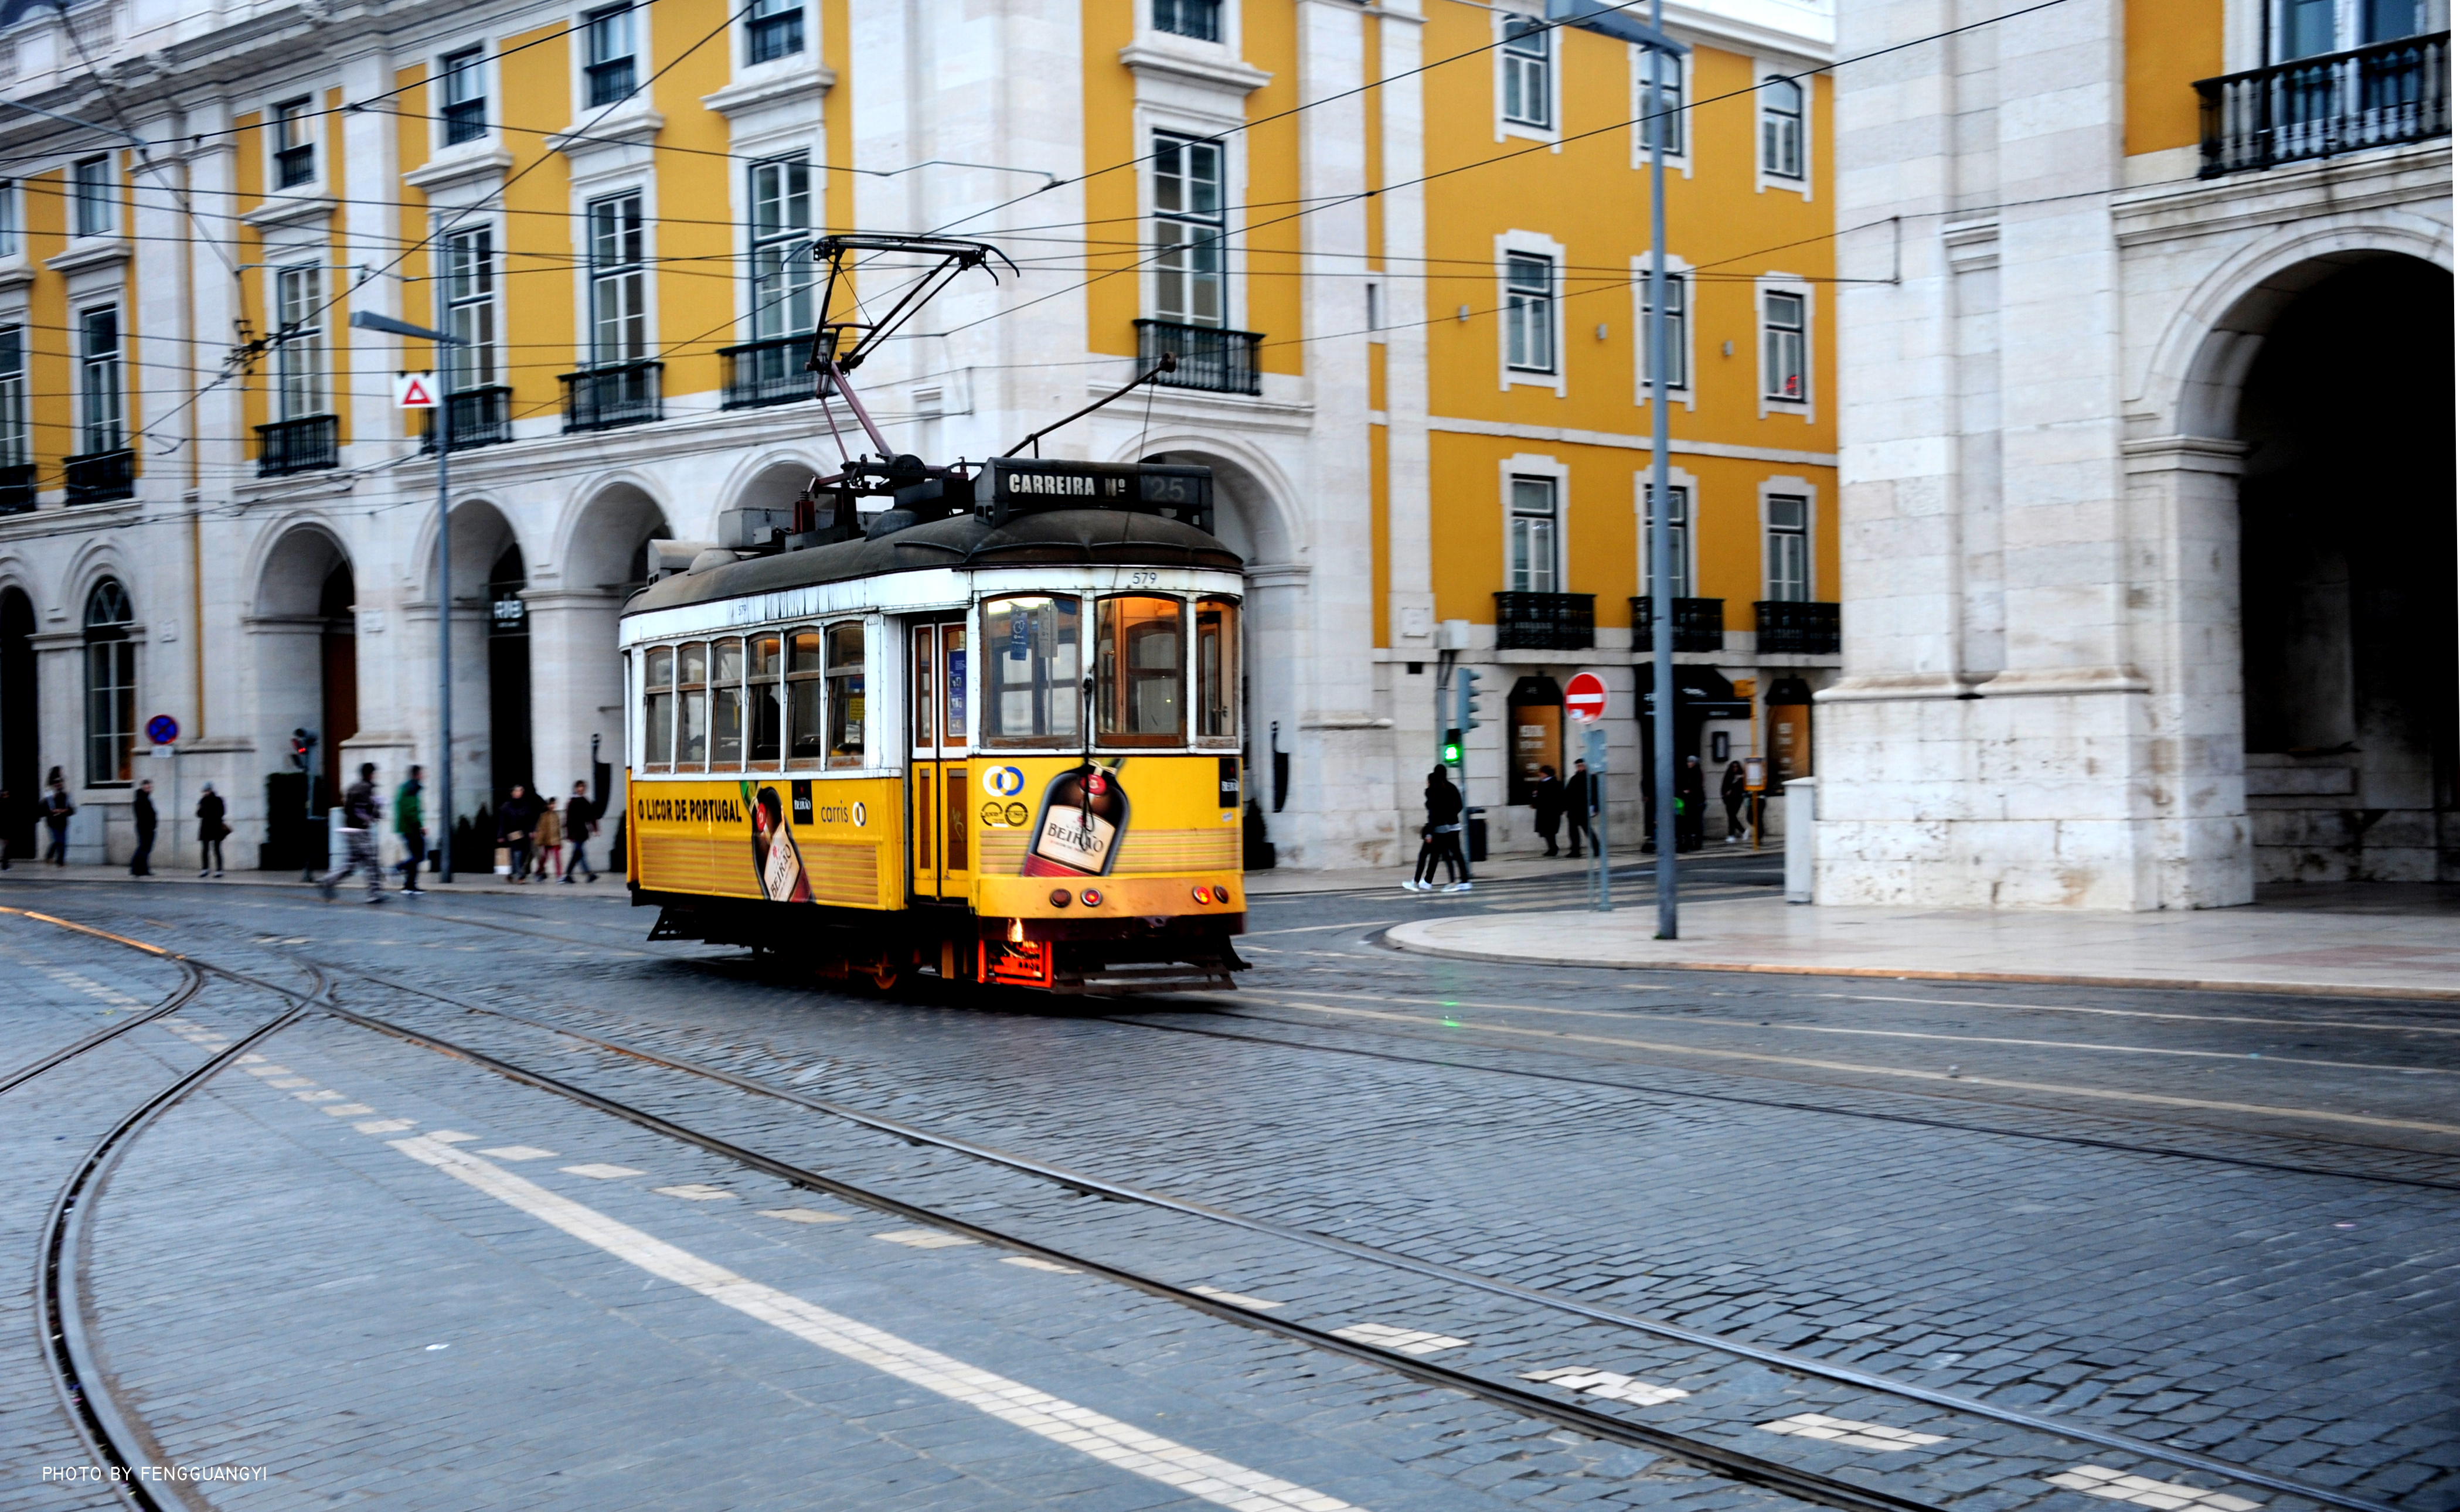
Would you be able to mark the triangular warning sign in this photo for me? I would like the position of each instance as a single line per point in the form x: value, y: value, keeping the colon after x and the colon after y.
x: 414, y: 391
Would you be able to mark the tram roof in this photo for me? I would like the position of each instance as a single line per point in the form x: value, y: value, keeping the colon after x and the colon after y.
x: 1071, y: 537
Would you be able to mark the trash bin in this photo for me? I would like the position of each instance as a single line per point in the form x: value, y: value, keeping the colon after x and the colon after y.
x: 1476, y: 834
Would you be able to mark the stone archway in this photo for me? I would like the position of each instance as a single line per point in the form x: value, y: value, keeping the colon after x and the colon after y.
x: 577, y: 674
x: 481, y: 536
x: 305, y: 657
x: 21, y: 745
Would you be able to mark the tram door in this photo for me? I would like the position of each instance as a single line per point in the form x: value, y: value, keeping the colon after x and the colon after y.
x: 939, y: 800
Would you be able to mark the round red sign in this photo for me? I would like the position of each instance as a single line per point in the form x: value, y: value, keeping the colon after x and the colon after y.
x: 1584, y: 698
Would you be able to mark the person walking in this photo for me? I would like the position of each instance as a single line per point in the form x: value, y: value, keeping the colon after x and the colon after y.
x: 579, y: 823
x: 360, y: 813
x: 210, y: 830
x: 1581, y: 806
x: 549, y: 838
x: 410, y: 822
x: 1735, y: 791
x: 515, y: 824
x: 1443, y: 836
x: 1690, y: 806
x: 58, y: 807
x: 1546, y: 796
x: 141, y: 811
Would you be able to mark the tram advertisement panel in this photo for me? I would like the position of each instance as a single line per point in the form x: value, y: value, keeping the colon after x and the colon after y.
x: 1123, y: 816
x: 787, y: 839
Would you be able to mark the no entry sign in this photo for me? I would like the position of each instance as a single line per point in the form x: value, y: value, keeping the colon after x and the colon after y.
x: 1584, y: 698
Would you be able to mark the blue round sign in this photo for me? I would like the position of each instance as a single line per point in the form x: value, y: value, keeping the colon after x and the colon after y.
x: 162, y: 730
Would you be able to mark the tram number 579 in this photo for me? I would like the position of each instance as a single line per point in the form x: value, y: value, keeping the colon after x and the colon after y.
x: 1144, y: 579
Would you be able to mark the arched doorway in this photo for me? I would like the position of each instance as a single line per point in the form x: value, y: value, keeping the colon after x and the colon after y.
x: 21, y: 743
x: 338, y: 669
x: 2346, y: 578
x: 304, y: 650
x: 580, y: 693
x: 508, y: 675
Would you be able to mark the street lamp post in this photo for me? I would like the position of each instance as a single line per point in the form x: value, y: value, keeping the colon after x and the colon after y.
x: 1661, y: 514
x: 368, y: 320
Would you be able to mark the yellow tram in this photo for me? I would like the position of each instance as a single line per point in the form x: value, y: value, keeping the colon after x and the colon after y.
x: 991, y: 735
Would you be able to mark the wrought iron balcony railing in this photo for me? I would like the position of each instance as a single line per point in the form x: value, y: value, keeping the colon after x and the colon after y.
x: 1795, y: 628
x: 481, y: 416
x: 617, y: 394
x: 16, y: 488
x: 1546, y: 622
x: 100, y: 476
x: 1209, y: 358
x: 768, y: 372
x: 296, y: 165
x: 1699, y: 625
x: 2321, y: 106
x: 298, y: 446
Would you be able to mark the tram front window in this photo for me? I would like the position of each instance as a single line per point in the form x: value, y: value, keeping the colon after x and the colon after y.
x: 1030, y: 671
x: 726, y: 705
x: 1217, y: 672
x: 692, y: 683
x: 845, y: 694
x: 658, y: 691
x: 762, y: 699
x: 1137, y: 672
x: 803, y: 697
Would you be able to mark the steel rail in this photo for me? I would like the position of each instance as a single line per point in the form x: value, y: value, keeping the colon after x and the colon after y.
x: 180, y: 998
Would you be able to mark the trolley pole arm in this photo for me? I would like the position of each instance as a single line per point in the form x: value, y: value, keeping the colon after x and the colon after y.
x: 1167, y: 362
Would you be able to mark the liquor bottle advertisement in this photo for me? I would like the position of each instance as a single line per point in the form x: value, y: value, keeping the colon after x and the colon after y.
x: 1084, y: 814
x: 775, y: 854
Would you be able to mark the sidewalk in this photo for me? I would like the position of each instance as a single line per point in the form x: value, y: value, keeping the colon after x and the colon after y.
x: 27, y: 875
x: 2364, y: 940
x: 1281, y: 883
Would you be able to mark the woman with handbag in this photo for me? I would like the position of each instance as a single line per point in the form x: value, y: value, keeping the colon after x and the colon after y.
x: 210, y: 830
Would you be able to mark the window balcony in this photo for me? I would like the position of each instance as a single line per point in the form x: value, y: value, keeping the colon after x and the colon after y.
x: 1209, y: 358
x: 1546, y: 622
x: 608, y: 81
x: 768, y: 372
x: 617, y: 394
x: 1699, y: 625
x: 1795, y: 628
x: 98, y: 476
x: 294, y: 166
x: 2321, y: 106
x: 464, y: 121
x: 303, y: 445
x: 16, y: 488
x: 481, y: 416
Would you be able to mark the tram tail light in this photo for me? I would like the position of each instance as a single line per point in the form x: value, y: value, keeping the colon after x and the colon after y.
x: 1220, y: 894
x: 1093, y: 898
x: 1059, y: 897
x: 1202, y: 896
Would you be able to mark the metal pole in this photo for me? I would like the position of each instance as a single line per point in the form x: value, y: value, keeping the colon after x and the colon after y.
x: 1660, y: 534
x: 444, y: 623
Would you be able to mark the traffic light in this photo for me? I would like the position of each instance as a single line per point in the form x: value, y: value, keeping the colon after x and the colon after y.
x: 1466, y: 686
x: 301, y: 745
x: 1452, y: 748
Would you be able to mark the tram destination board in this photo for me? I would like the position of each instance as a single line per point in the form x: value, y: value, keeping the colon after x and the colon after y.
x: 1030, y: 485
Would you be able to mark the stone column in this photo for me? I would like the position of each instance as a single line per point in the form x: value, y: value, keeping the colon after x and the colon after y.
x: 576, y: 684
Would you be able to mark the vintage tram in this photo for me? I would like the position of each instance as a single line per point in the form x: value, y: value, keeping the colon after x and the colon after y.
x: 990, y: 734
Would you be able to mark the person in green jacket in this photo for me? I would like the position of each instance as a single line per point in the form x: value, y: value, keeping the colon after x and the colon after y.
x: 410, y: 823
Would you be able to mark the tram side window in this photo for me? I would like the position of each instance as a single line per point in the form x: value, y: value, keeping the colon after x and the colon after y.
x: 658, y: 693
x: 802, y: 698
x: 726, y: 705
x: 762, y: 699
x: 1217, y: 672
x: 1030, y: 671
x: 691, y: 705
x: 1138, y: 676
x: 845, y: 693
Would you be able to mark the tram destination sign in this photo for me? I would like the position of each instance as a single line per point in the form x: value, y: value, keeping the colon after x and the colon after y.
x: 1031, y: 485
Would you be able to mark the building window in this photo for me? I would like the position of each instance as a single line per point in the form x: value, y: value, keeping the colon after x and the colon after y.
x: 98, y: 399
x: 299, y: 345
x: 781, y: 230
x: 1200, y: 19
x: 1678, y: 521
x: 1188, y: 282
x: 773, y: 29
x: 1781, y: 332
x: 1534, y: 535
x: 90, y: 188
x: 470, y: 307
x: 1788, y: 548
x: 465, y: 95
x: 294, y: 143
x: 2310, y: 27
x: 1780, y: 128
x: 10, y: 220
x: 15, y: 443
x: 610, y: 52
x: 1528, y: 68
x: 1665, y: 114
x: 1678, y: 331
x: 619, y: 321
x: 110, y: 686
x: 1529, y: 312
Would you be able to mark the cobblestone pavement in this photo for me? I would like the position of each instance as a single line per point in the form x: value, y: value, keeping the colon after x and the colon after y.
x: 2223, y: 1223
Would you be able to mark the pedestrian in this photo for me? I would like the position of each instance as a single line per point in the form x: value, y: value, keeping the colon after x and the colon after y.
x: 1690, y: 806
x: 1443, y: 838
x: 514, y: 824
x: 210, y: 830
x: 58, y: 807
x: 360, y: 813
x: 410, y: 822
x: 548, y: 839
x: 1735, y: 791
x: 8, y: 829
x: 1546, y: 796
x: 1581, y: 806
x: 141, y: 811
x: 579, y: 823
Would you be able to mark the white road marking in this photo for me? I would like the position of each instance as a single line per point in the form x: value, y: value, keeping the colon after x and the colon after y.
x: 1106, y: 1438
x: 384, y: 1125
x: 450, y: 1137
x: 1399, y: 1340
x: 2164, y: 1496
x: 598, y: 1171
x: 268, y: 1070
x: 346, y: 1110
x: 292, y: 1082
x: 327, y: 1095
x: 804, y: 1215
x: 923, y: 1239
x: 92, y: 988
x: 1854, y: 1435
x: 1037, y: 1263
x: 253, y: 1059
x: 2146, y: 1012
x: 518, y: 1152
x: 1609, y: 1384
x: 689, y: 1191
x: 1258, y: 1304
x: 1313, y: 929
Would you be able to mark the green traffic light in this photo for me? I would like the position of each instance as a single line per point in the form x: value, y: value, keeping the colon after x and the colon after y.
x: 1451, y: 754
